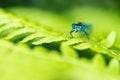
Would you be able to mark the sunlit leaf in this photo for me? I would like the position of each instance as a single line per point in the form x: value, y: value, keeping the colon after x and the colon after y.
x: 109, y: 41
x: 68, y: 51
x: 114, y: 67
x: 82, y: 46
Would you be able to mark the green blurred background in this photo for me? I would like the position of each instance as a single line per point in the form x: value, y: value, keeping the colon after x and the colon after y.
x: 56, y: 16
x: 62, y: 5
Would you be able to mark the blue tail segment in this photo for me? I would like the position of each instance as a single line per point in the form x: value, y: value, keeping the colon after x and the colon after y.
x: 89, y: 28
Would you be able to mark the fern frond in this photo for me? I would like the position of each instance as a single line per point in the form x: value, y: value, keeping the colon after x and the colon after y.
x: 67, y: 51
x: 26, y: 31
x: 20, y: 60
x: 109, y: 41
x: 20, y: 33
x: 18, y: 29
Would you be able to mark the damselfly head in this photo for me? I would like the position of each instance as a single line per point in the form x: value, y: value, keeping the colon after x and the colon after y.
x: 73, y: 26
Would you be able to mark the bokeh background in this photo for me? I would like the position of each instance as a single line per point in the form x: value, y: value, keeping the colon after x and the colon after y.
x: 54, y: 60
x: 59, y: 6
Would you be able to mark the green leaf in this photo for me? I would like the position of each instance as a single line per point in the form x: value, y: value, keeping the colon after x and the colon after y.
x: 82, y: 46
x: 114, y: 67
x: 68, y: 51
x: 20, y: 33
x: 48, y: 39
x: 99, y: 62
x: 33, y: 36
x: 109, y: 41
x: 74, y: 41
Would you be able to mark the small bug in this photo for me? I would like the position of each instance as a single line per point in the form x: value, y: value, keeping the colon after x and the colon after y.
x: 81, y: 28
